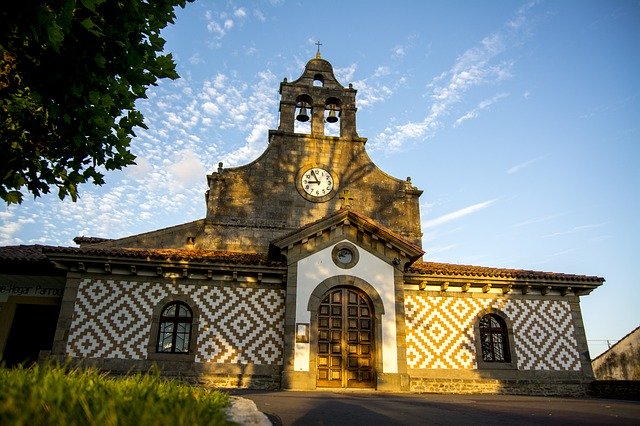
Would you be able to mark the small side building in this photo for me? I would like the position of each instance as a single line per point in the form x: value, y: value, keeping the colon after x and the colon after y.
x: 621, y: 361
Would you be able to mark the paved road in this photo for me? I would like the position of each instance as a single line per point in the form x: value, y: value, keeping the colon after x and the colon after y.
x: 372, y: 409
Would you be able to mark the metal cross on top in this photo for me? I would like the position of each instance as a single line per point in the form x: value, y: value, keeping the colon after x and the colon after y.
x: 318, y: 54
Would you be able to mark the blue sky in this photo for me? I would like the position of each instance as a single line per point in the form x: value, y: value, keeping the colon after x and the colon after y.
x: 519, y: 120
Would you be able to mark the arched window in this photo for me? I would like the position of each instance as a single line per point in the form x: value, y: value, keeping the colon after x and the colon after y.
x: 494, y: 339
x: 332, y: 114
x: 303, y: 114
x: 174, y: 332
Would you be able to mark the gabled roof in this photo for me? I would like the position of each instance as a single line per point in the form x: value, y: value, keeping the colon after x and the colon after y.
x: 348, y: 216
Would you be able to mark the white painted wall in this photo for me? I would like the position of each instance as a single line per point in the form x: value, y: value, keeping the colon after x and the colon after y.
x: 318, y: 267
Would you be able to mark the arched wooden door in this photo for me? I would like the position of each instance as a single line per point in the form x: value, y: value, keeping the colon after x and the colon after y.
x: 345, y: 339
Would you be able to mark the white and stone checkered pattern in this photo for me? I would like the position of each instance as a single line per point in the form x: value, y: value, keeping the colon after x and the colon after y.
x: 440, y: 332
x: 112, y: 319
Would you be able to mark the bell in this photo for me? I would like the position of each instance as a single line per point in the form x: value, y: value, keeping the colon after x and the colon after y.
x: 332, y: 117
x: 302, y: 114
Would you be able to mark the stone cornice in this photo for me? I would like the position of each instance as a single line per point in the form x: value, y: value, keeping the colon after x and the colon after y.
x: 226, y: 266
x: 542, y: 284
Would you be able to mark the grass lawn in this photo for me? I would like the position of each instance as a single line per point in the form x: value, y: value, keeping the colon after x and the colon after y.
x: 53, y: 395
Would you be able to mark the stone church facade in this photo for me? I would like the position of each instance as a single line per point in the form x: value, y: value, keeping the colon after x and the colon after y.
x: 306, y: 273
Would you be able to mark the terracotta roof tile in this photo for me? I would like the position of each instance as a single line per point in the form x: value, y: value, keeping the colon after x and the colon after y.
x: 191, y: 255
x: 434, y: 268
x: 22, y: 253
x: 89, y: 240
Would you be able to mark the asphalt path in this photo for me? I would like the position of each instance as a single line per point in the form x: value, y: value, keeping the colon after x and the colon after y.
x: 375, y: 408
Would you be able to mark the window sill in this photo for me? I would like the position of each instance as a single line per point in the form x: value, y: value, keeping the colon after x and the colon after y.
x: 176, y: 357
x: 483, y: 365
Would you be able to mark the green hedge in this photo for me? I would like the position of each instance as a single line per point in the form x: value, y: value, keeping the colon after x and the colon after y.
x: 54, y: 395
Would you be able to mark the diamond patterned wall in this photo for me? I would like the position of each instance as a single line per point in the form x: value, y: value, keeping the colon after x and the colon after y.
x: 440, y: 332
x: 112, y: 319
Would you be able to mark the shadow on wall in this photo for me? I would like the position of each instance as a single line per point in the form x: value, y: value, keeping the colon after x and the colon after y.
x: 619, y: 366
x: 621, y: 361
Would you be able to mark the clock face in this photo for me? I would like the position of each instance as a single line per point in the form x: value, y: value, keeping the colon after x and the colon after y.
x: 317, y: 182
x: 344, y: 255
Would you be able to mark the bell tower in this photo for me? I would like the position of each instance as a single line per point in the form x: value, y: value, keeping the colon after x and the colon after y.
x: 307, y: 172
x: 319, y: 97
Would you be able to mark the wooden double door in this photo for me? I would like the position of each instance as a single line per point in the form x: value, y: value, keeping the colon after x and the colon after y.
x: 345, y: 339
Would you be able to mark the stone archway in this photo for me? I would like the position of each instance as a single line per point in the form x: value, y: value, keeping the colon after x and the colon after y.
x: 345, y: 333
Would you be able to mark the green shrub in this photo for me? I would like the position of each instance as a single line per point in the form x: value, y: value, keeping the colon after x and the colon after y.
x: 54, y: 395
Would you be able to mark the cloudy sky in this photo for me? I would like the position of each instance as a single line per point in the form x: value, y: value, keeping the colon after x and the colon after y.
x: 519, y: 120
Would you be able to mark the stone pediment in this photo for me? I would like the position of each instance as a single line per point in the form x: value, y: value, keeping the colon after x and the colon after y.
x: 355, y: 227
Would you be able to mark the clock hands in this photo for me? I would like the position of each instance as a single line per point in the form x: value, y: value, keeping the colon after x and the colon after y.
x: 316, y: 181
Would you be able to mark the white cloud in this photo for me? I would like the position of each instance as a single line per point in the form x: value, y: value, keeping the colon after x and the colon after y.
x: 476, y: 66
x: 219, y: 23
x: 216, y: 28
x: 259, y: 118
x: 142, y: 168
x: 211, y: 108
x: 538, y: 220
x: 521, y: 166
x: 11, y: 225
x: 457, y: 214
x: 576, y: 229
x: 481, y: 106
x: 522, y: 22
x: 345, y: 74
x: 195, y: 59
x: 371, y: 93
x: 382, y: 71
x: 372, y: 89
x: 187, y: 171
x: 398, y: 51
x: 261, y: 16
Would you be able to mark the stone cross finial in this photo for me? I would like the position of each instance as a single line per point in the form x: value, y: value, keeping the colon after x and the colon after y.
x: 318, y: 53
x: 346, y: 199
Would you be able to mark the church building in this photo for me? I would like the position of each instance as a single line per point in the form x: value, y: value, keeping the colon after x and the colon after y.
x: 307, y: 272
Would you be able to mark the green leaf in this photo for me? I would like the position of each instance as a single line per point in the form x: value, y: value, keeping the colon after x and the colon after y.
x: 69, y: 104
x: 90, y: 4
x: 13, y: 197
x: 100, y: 60
x: 55, y: 35
x: 90, y: 26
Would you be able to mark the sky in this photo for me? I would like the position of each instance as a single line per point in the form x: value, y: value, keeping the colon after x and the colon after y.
x: 519, y: 120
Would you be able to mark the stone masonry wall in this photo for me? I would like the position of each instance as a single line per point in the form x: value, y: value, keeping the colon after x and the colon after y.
x: 494, y: 386
x: 249, y: 206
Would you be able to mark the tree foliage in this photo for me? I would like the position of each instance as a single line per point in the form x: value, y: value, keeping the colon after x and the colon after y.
x: 70, y: 73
